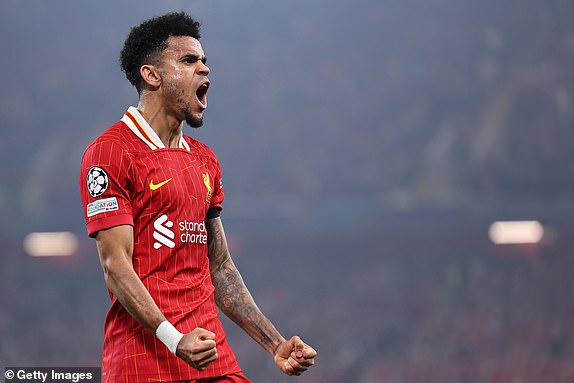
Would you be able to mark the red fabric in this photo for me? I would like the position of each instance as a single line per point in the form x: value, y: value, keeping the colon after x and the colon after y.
x: 176, y: 276
x: 233, y: 378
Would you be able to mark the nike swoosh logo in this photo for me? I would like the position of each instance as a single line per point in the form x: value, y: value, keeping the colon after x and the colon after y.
x: 153, y: 186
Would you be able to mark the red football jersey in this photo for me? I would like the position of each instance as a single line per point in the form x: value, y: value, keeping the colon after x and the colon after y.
x: 129, y: 177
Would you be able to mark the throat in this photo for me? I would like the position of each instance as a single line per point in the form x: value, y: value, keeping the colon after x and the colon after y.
x: 171, y: 139
x: 167, y: 128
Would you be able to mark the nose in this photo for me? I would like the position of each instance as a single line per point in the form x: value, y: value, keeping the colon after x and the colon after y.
x: 202, y: 68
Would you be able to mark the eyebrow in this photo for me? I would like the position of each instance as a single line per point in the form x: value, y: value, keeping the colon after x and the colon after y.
x: 193, y: 57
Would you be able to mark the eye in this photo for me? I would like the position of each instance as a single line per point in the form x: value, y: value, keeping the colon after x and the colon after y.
x: 190, y: 59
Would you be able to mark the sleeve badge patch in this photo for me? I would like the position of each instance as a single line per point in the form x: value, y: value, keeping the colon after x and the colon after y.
x: 101, y: 206
x: 97, y: 181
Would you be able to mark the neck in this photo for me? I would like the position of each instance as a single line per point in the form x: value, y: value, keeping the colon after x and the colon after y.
x: 167, y: 127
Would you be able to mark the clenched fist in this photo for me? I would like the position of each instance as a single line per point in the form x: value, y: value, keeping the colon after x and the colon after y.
x: 197, y: 348
x: 294, y: 357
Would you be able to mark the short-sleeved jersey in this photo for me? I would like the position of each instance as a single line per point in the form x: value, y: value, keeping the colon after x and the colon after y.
x: 128, y: 177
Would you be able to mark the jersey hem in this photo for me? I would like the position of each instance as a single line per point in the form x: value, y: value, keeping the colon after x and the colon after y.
x: 173, y: 378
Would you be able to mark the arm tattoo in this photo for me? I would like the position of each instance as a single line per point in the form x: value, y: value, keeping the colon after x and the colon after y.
x: 231, y: 294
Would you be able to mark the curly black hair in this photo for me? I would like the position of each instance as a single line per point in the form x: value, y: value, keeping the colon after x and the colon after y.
x: 146, y: 41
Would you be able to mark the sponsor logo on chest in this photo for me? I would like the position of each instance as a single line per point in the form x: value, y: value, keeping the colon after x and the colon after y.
x: 188, y: 232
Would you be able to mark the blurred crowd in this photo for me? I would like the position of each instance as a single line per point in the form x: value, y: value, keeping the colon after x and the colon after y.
x: 403, y: 103
x: 434, y: 103
x: 380, y: 306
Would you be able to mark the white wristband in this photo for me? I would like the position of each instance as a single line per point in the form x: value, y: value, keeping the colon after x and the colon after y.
x: 168, y: 335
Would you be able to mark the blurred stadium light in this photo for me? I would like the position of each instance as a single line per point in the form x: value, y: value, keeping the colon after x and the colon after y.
x: 516, y: 232
x: 50, y: 244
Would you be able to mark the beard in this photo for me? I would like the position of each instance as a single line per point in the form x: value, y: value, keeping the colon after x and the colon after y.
x: 179, y: 97
x: 191, y: 120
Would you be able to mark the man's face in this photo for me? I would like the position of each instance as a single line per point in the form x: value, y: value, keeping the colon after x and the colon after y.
x: 184, y: 81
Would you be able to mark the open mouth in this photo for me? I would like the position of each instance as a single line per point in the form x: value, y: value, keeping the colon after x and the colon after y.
x: 201, y: 94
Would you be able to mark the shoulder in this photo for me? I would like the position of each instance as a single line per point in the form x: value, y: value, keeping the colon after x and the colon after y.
x: 115, y: 139
x: 113, y: 149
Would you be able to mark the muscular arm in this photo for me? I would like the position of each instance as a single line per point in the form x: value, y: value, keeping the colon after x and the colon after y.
x: 292, y: 356
x: 231, y: 294
x: 115, y: 246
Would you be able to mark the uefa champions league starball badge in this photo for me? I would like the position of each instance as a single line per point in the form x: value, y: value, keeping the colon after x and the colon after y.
x: 97, y: 181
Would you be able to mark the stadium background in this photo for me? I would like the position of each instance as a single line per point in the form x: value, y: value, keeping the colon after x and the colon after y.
x: 366, y: 146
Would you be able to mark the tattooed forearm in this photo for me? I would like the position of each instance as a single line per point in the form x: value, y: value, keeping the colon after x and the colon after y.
x: 236, y: 302
x: 231, y: 294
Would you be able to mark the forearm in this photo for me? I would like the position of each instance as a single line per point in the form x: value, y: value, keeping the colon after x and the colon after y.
x: 115, y: 247
x: 235, y: 300
x: 124, y: 283
x: 292, y: 356
x: 231, y: 295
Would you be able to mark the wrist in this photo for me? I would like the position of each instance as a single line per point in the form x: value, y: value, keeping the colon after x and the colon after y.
x: 277, y: 345
x: 168, y: 335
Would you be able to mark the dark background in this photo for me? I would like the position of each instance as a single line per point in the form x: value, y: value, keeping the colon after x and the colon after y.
x: 366, y: 147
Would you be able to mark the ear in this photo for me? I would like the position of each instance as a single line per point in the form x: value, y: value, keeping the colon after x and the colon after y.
x: 150, y: 74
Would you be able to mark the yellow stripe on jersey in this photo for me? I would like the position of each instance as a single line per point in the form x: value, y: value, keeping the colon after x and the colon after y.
x: 137, y: 124
x: 142, y: 130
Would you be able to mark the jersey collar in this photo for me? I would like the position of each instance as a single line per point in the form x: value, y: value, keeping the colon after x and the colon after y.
x: 139, y: 126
